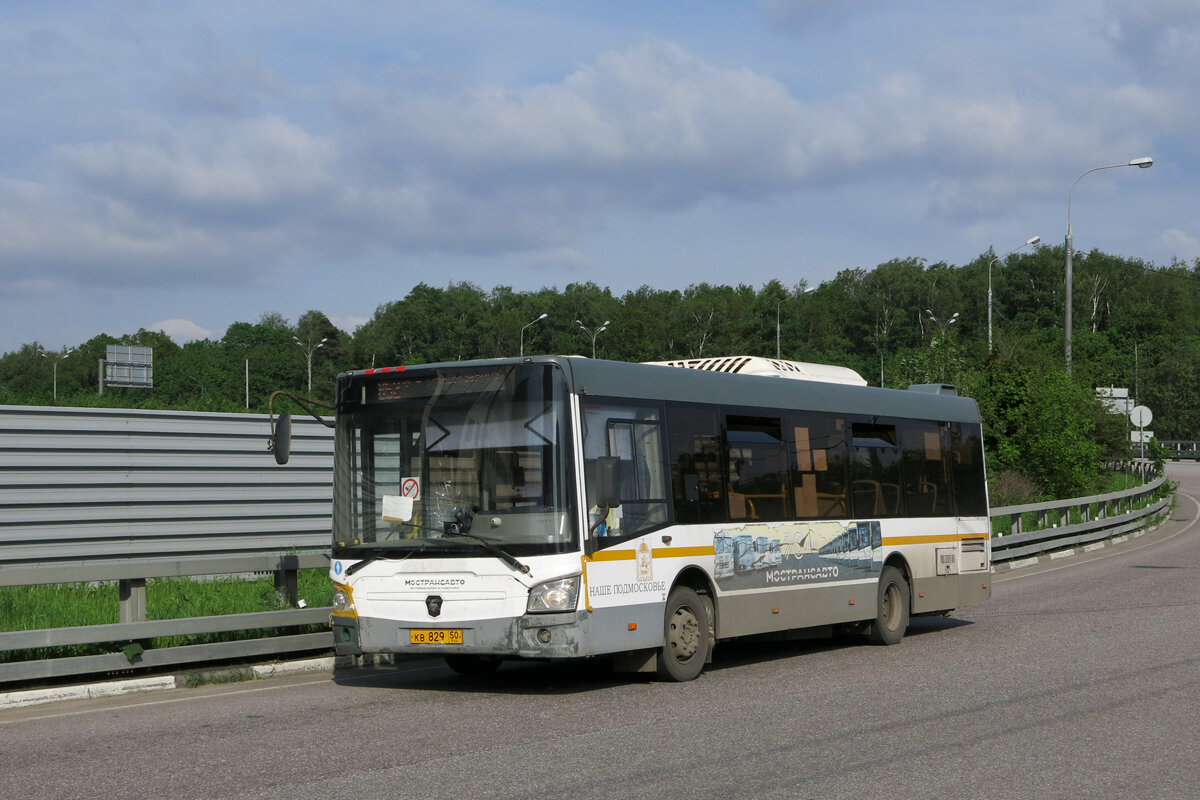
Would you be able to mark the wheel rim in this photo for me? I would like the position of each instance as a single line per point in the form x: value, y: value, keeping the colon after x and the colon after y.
x: 683, y: 634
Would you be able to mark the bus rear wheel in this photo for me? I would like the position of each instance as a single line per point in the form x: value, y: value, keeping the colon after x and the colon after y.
x: 891, y: 618
x: 685, y: 640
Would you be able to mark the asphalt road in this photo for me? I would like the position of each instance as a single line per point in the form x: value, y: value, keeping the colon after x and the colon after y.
x: 1079, y: 679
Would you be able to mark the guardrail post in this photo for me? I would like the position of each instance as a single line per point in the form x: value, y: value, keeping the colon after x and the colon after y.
x: 287, y: 579
x: 132, y: 592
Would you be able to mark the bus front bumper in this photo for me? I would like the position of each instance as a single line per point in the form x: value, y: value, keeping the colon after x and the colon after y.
x: 528, y: 636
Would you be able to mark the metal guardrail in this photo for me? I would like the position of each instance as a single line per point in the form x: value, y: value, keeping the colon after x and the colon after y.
x: 126, y: 495
x: 134, y: 627
x: 1178, y: 449
x: 1101, y: 517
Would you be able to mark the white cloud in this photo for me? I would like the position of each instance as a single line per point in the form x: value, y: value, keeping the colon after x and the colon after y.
x: 1161, y: 37
x: 251, y: 165
x: 1184, y: 246
x: 349, y: 323
x: 181, y: 331
x: 648, y: 127
x: 191, y: 152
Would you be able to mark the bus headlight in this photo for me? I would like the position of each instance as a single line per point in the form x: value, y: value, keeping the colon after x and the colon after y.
x: 343, y: 601
x: 554, y: 596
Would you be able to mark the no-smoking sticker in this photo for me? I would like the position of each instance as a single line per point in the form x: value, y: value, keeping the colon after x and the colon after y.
x: 410, y: 487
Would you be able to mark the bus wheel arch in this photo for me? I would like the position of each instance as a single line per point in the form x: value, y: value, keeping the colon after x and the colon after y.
x: 893, y: 604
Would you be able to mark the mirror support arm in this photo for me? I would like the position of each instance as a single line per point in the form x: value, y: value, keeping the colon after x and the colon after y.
x: 281, y: 449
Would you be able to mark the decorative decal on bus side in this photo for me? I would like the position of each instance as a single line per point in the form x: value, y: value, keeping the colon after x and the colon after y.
x: 615, y: 576
x: 761, y: 555
x: 645, y: 562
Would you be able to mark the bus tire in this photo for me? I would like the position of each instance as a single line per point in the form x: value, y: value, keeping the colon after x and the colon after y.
x: 473, y: 664
x: 892, y: 609
x: 685, y: 636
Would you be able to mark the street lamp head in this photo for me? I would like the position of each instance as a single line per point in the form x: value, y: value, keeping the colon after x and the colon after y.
x: 1033, y: 240
x: 1142, y: 163
x: 543, y: 316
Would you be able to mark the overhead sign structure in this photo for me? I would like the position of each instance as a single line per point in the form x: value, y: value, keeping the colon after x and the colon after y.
x: 1115, y: 400
x: 129, y: 365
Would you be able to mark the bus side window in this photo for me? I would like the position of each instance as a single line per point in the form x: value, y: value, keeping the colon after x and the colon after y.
x: 875, y: 470
x: 758, y: 474
x: 818, y: 463
x: 633, y: 435
x: 926, y: 448
x: 694, y: 452
x: 970, y: 486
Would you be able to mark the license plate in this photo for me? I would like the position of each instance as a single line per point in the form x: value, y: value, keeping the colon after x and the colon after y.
x: 445, y: 636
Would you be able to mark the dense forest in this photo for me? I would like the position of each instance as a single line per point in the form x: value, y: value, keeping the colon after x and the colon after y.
x: 905, y: 321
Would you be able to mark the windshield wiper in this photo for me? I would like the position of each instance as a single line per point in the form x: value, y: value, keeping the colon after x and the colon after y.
x: 373, y: 554
x: 495, y: 550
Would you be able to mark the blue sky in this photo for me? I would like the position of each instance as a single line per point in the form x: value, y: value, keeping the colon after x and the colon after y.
x: 181, y: 166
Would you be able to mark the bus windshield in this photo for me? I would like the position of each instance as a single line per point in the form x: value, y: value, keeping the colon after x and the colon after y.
x: 482, y: 452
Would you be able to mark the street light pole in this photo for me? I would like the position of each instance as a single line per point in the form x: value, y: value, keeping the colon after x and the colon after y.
x: 943, y: 327
x: 805, y: 290
x: 539, y: 319
x: 308, y: 352
x: 777, y: 305
x: 593, y: 334
x: 1032, y: 240
x: 1140, y: 163
x: 54, y: 366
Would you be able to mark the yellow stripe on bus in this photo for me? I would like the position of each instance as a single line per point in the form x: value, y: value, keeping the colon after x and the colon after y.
x: 892, y: 541
x: 612, y: 555
x: 657, y: 552
x: 681, y: 552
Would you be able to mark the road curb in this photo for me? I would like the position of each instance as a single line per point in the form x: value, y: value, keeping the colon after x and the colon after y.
x: 56, y: 694
x: 33, y: 697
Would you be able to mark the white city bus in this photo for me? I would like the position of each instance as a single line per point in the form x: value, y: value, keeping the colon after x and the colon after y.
x: 562, y: 507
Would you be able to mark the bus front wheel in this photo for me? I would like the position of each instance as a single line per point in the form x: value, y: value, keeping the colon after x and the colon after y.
x: 685, y: 642
x: 891, y: 618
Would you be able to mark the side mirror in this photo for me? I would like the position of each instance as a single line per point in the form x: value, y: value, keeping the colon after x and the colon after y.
x: 281, y: 438
x: 608, y: 482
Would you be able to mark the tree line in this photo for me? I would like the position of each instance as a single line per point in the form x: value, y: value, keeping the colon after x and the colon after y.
x: 905, y: 321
